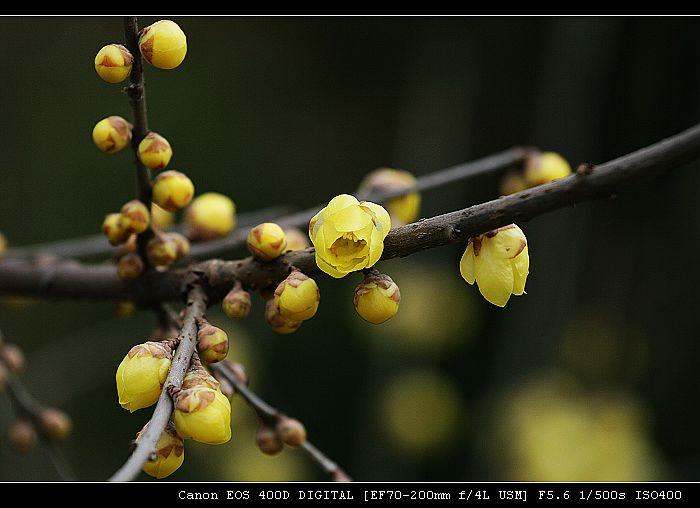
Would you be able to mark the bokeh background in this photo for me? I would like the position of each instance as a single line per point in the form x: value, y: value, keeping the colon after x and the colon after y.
x: 591, y: 376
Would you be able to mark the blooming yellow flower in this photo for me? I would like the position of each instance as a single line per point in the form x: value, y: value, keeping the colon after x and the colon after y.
x: 499, y: 263
x: 203, y: 414
x: 348, y: 235
x: 170, y: 454
x: 142, y: 373
x: 403, y: 209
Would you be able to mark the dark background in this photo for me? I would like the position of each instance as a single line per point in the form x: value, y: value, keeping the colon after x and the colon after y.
x: 591, y: 376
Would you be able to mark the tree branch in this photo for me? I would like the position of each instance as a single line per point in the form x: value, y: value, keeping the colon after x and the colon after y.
x: 271, y: 416
x: 603, y: 181
x: 146, y: 445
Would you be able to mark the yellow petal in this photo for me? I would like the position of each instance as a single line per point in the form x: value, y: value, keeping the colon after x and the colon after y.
x: 508, y: 242
x: 338, y: 203
x: 521, y: 268
x: 327, y: 268
x: 466, y: 264
x: 494, y: 276
x: 380, y: 217
x: 350, y: 218
x: 376, y: 247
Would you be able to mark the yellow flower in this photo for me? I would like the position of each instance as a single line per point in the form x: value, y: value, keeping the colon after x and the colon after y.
x: 113, y: 63
x: 277, y: 321
x: 135, y: 217
x: 297, y: 297
x: 499, y: 263
x: 154, y: 151
x: 211, y: 215
x: 161, y: 250
x: 161, y: 219
x: 512, y: 183
x: 203, y: 414
x: 170, y: 454
x: 172, y: 190
x: 163, y: 44
x: 236, y: 304
x: 403, y: 209
x: 141, y: 375
x: 377, y: 298
x: 544, y: 167
x: 112, y: 134
x: 113, y: 229
x: 212, y: 342
x: 266, y: 241
x: 348, y: 235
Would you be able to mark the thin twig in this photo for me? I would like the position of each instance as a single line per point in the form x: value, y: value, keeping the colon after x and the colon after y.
x: 73, y: 280
x: 24, y: 404
x: 146, y: 445
x: 271, y: 416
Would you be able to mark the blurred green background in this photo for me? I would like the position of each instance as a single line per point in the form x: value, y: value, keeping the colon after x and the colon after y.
x: 591, y: 376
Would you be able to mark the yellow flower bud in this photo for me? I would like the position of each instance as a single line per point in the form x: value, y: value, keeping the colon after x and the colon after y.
x: 268, y: 441
x: 163, y: 44
x: 112, y: 134
x: 236, y: 304
x: 170, y: 454
x: 512, y: 183
x: 297, y: 297
x: 113, y: 63
x: 203, y: 414
x: 113, y: 229
x: 211, y: 215
x: 130, y: 266
x: 154, y: 151
x: 277, y: 322
x: 499, y: 262
x: 135, y: 217
x: 12, y: 356
x: 212, y: 342
x: 377, y: 298
x: 296, y: 240
x: 161, y: 219
x: 161, y: 250
x: 172, y: 190
x: 403, y: 209
x: 124, y: 309
x: 142, y: 373
x: 55, y: 424
x: 22, y: 435
x: 3, y: 245
x: 291, y: 431
x: 544, y: 167
x: 266, y: 241
x: 348, y: 235
x: 182, y: 244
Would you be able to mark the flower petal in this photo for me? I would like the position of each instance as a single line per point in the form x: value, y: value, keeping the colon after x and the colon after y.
x: 328, y: 268
x: 494, y: 276
x: 376, y: 247
x: 508, y: 242
x: 350, y: 218
x: 466, y: 264
x: 380, y: 217
x: 338, y: 203
x: 521, y: 268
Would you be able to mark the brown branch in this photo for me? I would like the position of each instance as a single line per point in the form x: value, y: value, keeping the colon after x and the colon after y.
x: 272, y: 416
x: 146, y: 445
x: 603, y: 181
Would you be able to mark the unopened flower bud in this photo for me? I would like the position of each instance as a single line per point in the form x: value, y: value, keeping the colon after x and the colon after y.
x: 297, y: 297
x: 182, y: 244
x: 161, y: 219
x: 172, y: 190
x: 142, y: 373
x: 154, y: 151
x: 161, y: 250
x: 113, y: 229
x: 22, y: 435
x: 211, y: 215
x: 268, y: 440
x: 135, y: 217
x: 277, y: 321
x: 12, y: 356
x: 291, y: 431
x: 541, y: 168
x: 512, y: 183
x: 403, y: 209
x: 170, y: 454
x: 377, y: 298
x: 296, y: 239
x: 266, y: 241
x: 112, y: 134
x: 55, y: 424
x: 212, y: 342
x: 203, y: 414
x: 124, y: 309
x: 163, y: 44
x: 113, y: 63
x: 236, y: 304
x: 129, y: 266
